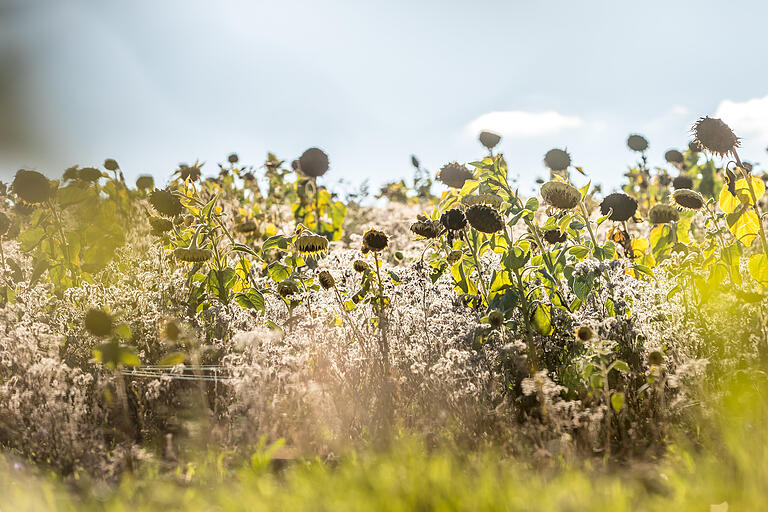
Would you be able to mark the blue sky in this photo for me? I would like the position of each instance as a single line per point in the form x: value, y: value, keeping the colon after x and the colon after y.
x: 155, y: 83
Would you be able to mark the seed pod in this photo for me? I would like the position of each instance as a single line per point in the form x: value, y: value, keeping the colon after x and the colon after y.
x: 310, y: 244
x: 313, y: 163
x: 496, y: 318
x: 489, y: 139
x: 453, y: 219
x: 326, y: 280
x: 682, y: 181
x: 31, y: 186
x: 557, y: 159
x: 360, y: 266
x: 145, y: 182
x: 166, y: 203
x: 686, y: 199
x: 561, y: 195
x: 374, y: 240
x: 98, y: 322
x: 484, y: 218
x: 663, y: 214
x: 427, y: 228
x: 624, y: 207
x: 192, y: 254
x: 454, y: 175
x: 673, y: 156
x: 716, y: 136
x: 189, y: 172
x: 637, y: 143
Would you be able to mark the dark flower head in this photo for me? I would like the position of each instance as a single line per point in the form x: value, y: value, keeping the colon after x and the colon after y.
x: 716, y: 136
x: 89, y: 174
x: 192, y: 254
x: 360, y: 266
x: 489, y: 199
x: 453, y: 219
x: 287, y: 287
x: 375, y: 240
x: 554, y: 236
x: 454, y: 175
x: 584, y: 333
x: 686, y: 199
x: 561, y: 195
x: 32, y: 186
x: 427, y: 228
x: 189, y: 172
x: 145, y: 182
x: 673, y: 156
x: 624, y: 207
x: 656, y: 358
x: 454, y: 256
x: 98, y: 322
x: 489, y: 139
x: 496, y: 318
x: 682, y: 181
x: 313, y: 163
x: 484, y: 218
x: 166, y: 203
x: 110, y: 164
x: 557, y: 159
x: 160, y: 225
x: 663, y: 214
x: 326, y: 280
x: 310, y: 244
x: 637, y: 143
x: 415, y: 161
x: 694, y: 147
x: 233, y: 158
x: 247, y: 226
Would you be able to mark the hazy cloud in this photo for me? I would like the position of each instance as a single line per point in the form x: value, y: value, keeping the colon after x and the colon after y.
x: 749, y: 119
x: 518, y: 123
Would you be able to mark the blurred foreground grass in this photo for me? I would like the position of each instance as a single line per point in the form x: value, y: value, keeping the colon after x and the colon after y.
x: 728, y: 463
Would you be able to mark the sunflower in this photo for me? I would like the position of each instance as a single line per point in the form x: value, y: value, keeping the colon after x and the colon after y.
x: 584, y: 333
x: 247, y: 226
x: 89, y: 174
x: 160, y: 225
x: 489, y: 139
x: 192, y: 254
x: 496, y: 318
x: 637, y: 143
x: 326, y: 280
x: 32, y: 186
x: 554, y: 236
x: 484, y: 218
x: 313, y: 163
x: 375, y: 240
x: 686, y: 199
x: 561, y: 195
x: 557, y: 159
x: 166, y: 203
x: 682, y: 181
x: 427, y: 228
x: 716, y: 136
x: 663, y: 214
x: 673, y: 156
x: 287, y: 287
x: 233, y: 158
x: 310, y: 244
x: 454, y: 175
x: 111, y: 164
x: 656, y: 358
x: 98, y: 322
x: 489, y: 199
x: 453, y: 219
x: 360, y: 266
x: 145, y: 182
x: 623, y: 206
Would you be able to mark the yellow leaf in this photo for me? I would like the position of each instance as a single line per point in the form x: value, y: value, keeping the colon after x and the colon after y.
x: 758, y: 268
x: 729, y: 203
x: 745, y: 227
x: 640, y: 244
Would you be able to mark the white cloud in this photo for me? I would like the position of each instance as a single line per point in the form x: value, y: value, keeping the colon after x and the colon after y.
x: 749, y: 119
x: 518, y: 123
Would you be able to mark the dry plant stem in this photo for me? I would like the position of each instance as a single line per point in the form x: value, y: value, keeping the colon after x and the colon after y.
x: 608, y: 411
x: 483, y: 290
x: 383, y: 342
x: 355, y: 330
x: 589, y: 228
x: 64, y: 244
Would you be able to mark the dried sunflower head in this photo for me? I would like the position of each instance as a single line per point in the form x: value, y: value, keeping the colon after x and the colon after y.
x: 192, y: 172
x: 166, y: 203
x: 310, y: 244
x: 656, y: 358
x: 561, y: 195
x: 287, y: 287
x: 427, y: 228
x: 233, y: 158
x: 31, y: 186
x: 663, y: 214
x: 489, y: 199
x: 637, y: 143
x: 160, y: 225
x: 98, y: 322
x: 454, y: 175
x: 360, y: 266
x: 453, y: 219
x: 110, y: 164
x: 375, y: 240
x: 489, y: 139
x: 484, y: 218
x: 313, y: 163
x: 453, y: 257
x: 557, y: 159
x: 247, y: 226
x: 682, y: 181
x: 192, y: 254
x: 686, y: 199
x: 716, y: 136
x: 624, y: 206
x: 673, y: 156
x: 554, y: 236
x: 145, y: 182
x: 584, y: 333
x: 89, y: 174
x: 496, y: 318
x: 326, y: 280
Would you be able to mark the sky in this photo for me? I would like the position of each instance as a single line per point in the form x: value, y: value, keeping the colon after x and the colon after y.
x: 155, y: 83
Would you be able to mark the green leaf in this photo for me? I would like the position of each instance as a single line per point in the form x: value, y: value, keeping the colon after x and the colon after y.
x: 124, y: 331
x: 585, y: 190
x: 251, y: 299
x: 532, y: 204
x: 172, y: 359
x: 278, y: 272
x: 617, y: 401
x: 621, y: 366
x: 542, y: 319
x: 276, y: 242
x: 758, y: 268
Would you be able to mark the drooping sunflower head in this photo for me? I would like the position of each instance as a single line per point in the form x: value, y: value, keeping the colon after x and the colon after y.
x: 663, y: 214
x: 637, y: 143
x: 233, y: 158
x: 31, y: 186
x: 247, y: 226
x: 427, y: 228
x: 453, y: 219
x: 656, y: 358
x: 375, y: 240
x: 89, y: 174
x: 489, y: 199
x: 192, y: 254
x: 98, y: 322
x: 313, y: 163
x: 584, y: 333
x: 557, y: 159
x: 310, y: 244
x: 326, y: 280
x: 111, y: 164
x: 489, y: 139
x: 682, y: 181
x: 496, y: 318
x: 624, y: 206
x: 160, y: 225
x: 686, y: 199
x: 191, y: 172
x: 673, y: 156
x: 145, y: 182
x: 716, y: 136
x: 166, y: 202
x: 484, y: 218
x: 454, y: 174
x: 287, y: 287
x: 561, y: 195
x: 360, y: 266
x: 554, y: 236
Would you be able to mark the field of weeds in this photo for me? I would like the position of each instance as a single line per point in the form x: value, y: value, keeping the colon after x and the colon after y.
x: 249, y: 337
